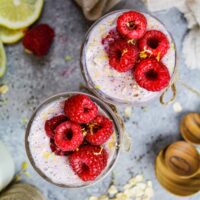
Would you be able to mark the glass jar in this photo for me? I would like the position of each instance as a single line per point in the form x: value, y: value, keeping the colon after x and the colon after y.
x: 34, y: 143
x: 108, y: 84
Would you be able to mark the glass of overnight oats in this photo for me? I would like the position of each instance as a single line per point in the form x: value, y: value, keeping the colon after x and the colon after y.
x: 73, y: 139
x: 128, y: 57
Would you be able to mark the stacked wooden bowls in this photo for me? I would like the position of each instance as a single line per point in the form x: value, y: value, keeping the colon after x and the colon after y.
x: 190, y: 128
x: 178, y: 165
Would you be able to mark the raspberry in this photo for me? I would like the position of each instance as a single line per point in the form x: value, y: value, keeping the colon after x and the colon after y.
x: 88, y: 162
x: 80, y: 108
x: 152, y: 75
x: 99, y: 130
x: 57, y: 150
x: 52, y: 123
x: 154, y: 42
x: 38, y: 39
x: 110, y: 38
x: 122, y: 56
x: 132, y: 24
x: 68, y: 136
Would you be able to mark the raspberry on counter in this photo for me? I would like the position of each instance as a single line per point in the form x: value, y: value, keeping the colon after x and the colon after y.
x: 38, y: 39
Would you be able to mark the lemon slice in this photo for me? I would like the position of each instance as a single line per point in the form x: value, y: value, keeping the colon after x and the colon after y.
x: 2, y: 60
x: 9, y: 36
x: 19, y: 14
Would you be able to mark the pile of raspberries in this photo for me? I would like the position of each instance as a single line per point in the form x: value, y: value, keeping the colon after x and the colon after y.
x: 79, y: 134
x: 130, y: 46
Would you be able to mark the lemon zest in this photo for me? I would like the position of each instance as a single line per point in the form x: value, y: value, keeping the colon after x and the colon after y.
x: 143, y: 54
x: 98, y: 153
x: 124, y: 51
x: 158, y: 57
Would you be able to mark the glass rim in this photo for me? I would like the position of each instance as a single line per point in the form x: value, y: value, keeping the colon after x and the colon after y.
x: 90, y: 83
x: 106, y: 108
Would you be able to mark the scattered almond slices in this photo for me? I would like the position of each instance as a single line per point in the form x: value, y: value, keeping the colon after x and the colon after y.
x: 177, y: 107
x: 128, y: 112
x: 93, y: 198
x: 103, y: 197
x: 127, y: 142
x: 112, y: 190
x: 136, y: 188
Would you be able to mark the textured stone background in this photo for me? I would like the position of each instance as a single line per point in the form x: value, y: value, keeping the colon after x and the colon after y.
x: 31, y: 80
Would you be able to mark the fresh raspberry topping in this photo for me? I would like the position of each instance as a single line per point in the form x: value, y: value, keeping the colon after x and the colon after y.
x: 154, y: 43
x: 152, y: 75
x: 99, y: 130
x: 38, y: 39
x: 57, y: 150
x: 52, y: 123
x: 110, y: 38
x: 80, y: 108
x: 88, y: 162
x: 132, y: 24
x: 68, y: 136
x: 122, y: 56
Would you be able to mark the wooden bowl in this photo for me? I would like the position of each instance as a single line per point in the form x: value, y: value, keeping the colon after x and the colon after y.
x: 174, y: 183
x: 190, y: 128
x: 183, y: 159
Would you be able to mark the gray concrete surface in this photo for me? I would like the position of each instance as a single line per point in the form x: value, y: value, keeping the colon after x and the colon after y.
x: 32, y: 79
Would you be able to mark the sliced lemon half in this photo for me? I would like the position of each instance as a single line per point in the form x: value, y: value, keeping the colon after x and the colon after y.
x: 19, y: 14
